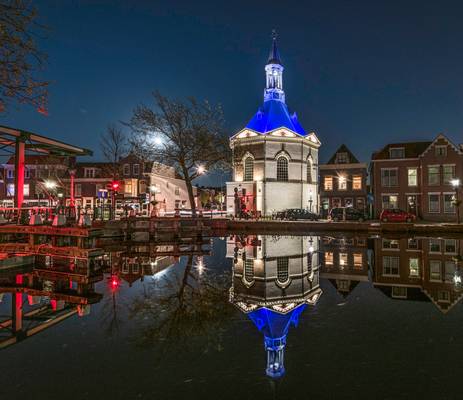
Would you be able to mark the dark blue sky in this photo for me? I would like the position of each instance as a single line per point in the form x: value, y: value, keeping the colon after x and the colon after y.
x: 360, y: 72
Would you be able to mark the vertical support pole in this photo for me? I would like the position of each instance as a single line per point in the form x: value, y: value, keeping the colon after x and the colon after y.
x: 17, y: 307
x: 19, y: 172
x: 72, y: 172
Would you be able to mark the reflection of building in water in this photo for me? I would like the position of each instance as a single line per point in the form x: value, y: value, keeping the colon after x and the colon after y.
x: 344, y: 262
x: 274, y: 279
x: 419, y: 269
x: 45, y: 295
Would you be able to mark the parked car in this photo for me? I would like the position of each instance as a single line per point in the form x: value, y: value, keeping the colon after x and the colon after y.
x: 300, y: 213
x: 279, y: 215
x: 396, y: 215
x: 347, y: 214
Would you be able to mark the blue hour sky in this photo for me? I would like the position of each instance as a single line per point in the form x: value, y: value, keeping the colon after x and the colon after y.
x: 363, y: 73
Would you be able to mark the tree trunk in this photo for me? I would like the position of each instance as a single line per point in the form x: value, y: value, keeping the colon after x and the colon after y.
x: 191, y: 196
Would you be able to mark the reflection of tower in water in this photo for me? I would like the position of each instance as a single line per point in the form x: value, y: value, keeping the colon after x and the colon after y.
x: 274, y: 279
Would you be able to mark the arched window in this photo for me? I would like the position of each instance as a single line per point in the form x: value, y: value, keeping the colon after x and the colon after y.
x: 248, y: 274
x: 282, y: 169
x: 309, y: 170
x: 282, y: 271
x: 248, y: 168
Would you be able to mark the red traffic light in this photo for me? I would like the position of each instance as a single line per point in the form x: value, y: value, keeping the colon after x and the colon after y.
x: 114, y: 185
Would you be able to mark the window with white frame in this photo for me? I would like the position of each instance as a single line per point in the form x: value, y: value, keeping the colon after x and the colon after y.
x: 342, y: 260
x: 399, y: 292
x: 10, y: 173
x: 433, y: 175
x: 282, y: 169
x: 389, y: 177
x: 282, y: 270
x: 126, y: 169
x: 27, y: 173
x: 343, y: 284
x: 342, y: 182
x: 448, y: 173
x: 435, y: 273
x: 449, y: 205
x: 248, y: 168
x: 391, y: 266
x: 328, y: 183
x: 358, y: 261
x: 390, y: 244
x: 397, y: 152
x: 342, y: 158
x: 414, y: 267
x: 89, y: 172
x: 412, y: 176
x: 450, y: 246
x: 389, y: 201
x: 443, y: 296
x: 434, y: 245
x: 450, y: 268
x: 434, y: 203
x: 440, y: 150
x: 136, y: 169
x: 412, y: 244
x: 26, y: 189
x: 356, y: 182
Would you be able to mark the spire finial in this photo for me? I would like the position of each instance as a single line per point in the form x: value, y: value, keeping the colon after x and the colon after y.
x: 274, y: 57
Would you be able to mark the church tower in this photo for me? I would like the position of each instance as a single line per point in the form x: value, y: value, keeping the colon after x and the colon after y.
x: 273, y: 155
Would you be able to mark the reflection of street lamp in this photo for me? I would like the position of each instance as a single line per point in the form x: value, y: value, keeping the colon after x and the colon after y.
x: 310, y: 200
x: 456, y: 185
x: 153, y: 190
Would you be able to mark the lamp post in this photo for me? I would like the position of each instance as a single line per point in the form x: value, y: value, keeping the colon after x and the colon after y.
x: 456, y: 186
x: 153, y: 189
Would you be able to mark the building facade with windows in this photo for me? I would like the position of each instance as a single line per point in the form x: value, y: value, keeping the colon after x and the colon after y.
x: 274, y: 280
x: 275, y: 161
x: 418, y: 269
x: 343, y: 182
x: 416, y: 177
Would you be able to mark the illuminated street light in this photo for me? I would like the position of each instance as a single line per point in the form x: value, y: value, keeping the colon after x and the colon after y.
x: 50, y: 184
x: 455, y: 182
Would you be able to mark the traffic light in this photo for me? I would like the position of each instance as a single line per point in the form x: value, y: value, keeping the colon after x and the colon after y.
x: 115, y: 185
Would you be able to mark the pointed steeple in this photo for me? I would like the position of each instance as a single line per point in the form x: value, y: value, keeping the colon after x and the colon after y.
x: 274, y: 56
x: 274, y: 74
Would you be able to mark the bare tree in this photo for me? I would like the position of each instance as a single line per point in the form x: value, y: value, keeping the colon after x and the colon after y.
x: 113, y: 144
x: 19, y: 56
x: 187, y: 135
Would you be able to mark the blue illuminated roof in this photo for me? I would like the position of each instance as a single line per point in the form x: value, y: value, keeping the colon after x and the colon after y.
x: 274, y: 114
x: 273, y: 324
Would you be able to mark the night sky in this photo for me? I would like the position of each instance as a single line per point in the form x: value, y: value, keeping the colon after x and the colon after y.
x: 359, y: 73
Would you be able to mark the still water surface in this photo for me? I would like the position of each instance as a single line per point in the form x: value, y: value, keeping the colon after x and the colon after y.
x: 326, y: 317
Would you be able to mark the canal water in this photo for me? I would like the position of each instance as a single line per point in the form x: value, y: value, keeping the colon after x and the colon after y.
x: 240, y: 317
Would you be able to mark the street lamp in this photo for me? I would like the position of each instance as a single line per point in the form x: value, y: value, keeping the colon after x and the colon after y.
x: 456, y: 185
x: 49, y: 185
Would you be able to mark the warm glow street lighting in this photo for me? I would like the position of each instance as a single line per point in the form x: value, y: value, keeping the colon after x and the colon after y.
x: 50, y: 184
x: 455, y: 182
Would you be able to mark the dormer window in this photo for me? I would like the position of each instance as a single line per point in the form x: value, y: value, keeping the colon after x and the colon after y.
x: 397, y: 152
x: 342, y: 158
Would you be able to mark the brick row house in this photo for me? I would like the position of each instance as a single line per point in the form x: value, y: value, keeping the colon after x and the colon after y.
x: 343, y: 182
x: 417, y: 177
x: 418, y: 269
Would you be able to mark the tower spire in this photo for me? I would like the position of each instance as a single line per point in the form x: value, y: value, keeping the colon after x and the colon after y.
x: 274, y: 74
x: 274, y: 56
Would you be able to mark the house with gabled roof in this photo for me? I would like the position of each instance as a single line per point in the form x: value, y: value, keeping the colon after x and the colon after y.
x: 343, y: 182
x: 417, y: 177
